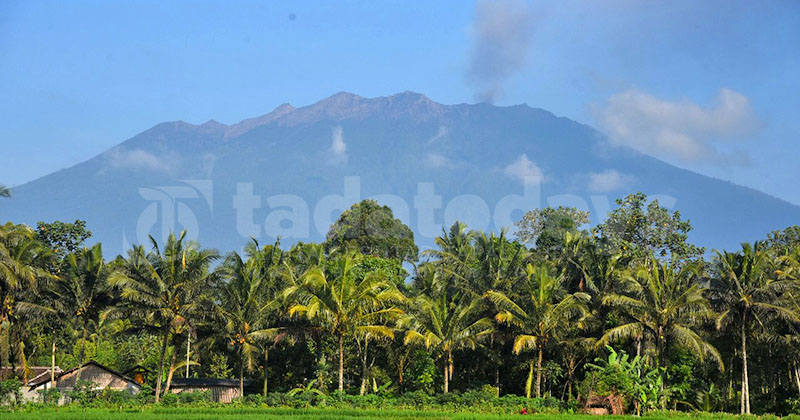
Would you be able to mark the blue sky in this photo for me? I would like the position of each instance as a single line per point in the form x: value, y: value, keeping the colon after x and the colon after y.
x: 710, y: 86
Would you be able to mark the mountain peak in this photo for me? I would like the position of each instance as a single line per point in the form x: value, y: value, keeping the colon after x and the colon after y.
x: 246, y: 125
x: 283, y: 108
x: 212, y: 123
x: 338, y: 100
x: 409, y: 95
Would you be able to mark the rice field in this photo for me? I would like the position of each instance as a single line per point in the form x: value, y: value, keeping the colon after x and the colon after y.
x: 231, y: 413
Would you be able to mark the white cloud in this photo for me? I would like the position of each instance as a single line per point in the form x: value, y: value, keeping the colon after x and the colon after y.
x: 523, y: 169
x: 607, y: 181
x: 338, y: 147
x: 138, y: 159
x: 438, y: 161
x: 680, y: 129
x: 439, y: 134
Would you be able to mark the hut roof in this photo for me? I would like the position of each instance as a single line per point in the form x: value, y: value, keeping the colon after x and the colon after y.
x: 41, y: 381
x: 206, y: 382
x: 35, y: 372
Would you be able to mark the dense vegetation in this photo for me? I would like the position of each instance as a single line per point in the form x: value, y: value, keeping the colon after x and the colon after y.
x: 303, y: 414
x: 628, y: 311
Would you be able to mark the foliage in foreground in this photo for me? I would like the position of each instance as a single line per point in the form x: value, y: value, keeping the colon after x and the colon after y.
x: 260, y: 413
x: 524, y: 316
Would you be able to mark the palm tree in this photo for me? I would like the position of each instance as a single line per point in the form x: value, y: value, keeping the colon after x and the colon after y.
x: 21, y: 260
x: 663, y: 305
x: 344, y: 303
x: 499, y: 263
x: 542, y: 312
x: 243, y: 306
x: 270, y: 261
x: 455, y: 254
x: 83, y: 290
x: 446, y: 324
x: 746, y: 291
x: 593, y: 269
x: 5, y: 191
x: 164, y: 288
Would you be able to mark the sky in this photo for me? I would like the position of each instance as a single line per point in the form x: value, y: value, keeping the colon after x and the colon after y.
x: 709, y: 86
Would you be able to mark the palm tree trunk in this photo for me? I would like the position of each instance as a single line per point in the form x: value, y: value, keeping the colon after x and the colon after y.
x: 529, y: 381
x: 266, y: 368
x: 5, y: 343
x: 539, y: 373
x: 188, y: 351
x: 450, y: 367
x: 446, y: 382
x: 797, y: 377
x: 161, y: 364
x: 496, y: 367
x: 241, y: 375
x: 171, y: 370
x: 745, y: 400
x: 400, y: 367
x: 341, y: 363
x: 53, y: 364
x: 364, y: 368
x: 83, y: 344
x: 83, y: 350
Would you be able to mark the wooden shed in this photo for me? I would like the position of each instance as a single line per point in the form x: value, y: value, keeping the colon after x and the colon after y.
x: 222, y: 390
x: 100, y: 376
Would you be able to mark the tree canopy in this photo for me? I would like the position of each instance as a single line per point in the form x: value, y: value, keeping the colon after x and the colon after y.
x: 371, y: 229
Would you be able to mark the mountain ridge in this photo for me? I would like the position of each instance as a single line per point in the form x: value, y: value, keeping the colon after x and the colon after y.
x: 393, y: 144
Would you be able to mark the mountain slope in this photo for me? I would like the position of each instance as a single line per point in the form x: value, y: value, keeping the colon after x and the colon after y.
x: 178, y: 175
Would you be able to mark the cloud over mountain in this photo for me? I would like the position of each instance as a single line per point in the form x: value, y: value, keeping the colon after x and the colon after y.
x: 137, y: 159
x: 608, y: 181
x: 338, y: 147
x: 523, y: 169
x: 678, y: 129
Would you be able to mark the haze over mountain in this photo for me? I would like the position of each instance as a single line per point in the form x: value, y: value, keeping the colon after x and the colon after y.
x: 280, y: 175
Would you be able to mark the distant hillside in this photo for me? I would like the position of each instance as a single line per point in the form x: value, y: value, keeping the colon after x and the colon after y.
x: 178, y: 175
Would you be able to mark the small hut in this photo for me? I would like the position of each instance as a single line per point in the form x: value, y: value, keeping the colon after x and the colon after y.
x: 601, y: 405
x: 222, y: 390
x: 100, y: 376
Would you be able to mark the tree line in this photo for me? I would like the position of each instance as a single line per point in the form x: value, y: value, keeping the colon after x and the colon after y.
x: 546, y: 312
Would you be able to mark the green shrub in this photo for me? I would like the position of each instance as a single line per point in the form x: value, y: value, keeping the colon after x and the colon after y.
x: 169, y: 400
x: 196, y: 397
x: 50, y: 396
x: 84, y: 393
x: 10, y: 391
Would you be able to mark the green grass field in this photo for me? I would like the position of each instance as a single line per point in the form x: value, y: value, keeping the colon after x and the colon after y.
x: 231, y: 413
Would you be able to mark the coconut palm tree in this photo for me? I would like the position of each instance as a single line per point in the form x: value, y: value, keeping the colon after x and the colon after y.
x: 164, y: 289
x: 270, y: 261
x: 83, y: 291
x: 344, y: 303
x: 663, y: 305
x: 746, y: 291
x: 21, y: 262
x: 244, y: 303
x: 446, y: 324
x: 454, y: 256
x: 542, y: 312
